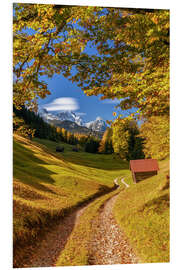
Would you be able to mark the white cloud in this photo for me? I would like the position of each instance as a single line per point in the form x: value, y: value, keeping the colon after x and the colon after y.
x: 62, y: 104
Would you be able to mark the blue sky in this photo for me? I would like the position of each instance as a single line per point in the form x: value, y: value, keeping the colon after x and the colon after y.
x: 90, y: 107
x: 66, y: 95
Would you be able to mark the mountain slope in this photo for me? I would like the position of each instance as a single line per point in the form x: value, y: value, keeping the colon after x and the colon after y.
x: 75, y: 128
x: 71, y: 116
x: 98, y: 125
x: 71, y: 126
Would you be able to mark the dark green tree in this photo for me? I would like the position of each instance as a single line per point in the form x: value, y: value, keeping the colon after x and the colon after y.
x: 91, y: 145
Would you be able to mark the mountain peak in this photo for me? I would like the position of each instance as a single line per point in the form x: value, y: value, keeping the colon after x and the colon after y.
x: 97, y: 125
x: 61, y: 116
x: 99, y: 118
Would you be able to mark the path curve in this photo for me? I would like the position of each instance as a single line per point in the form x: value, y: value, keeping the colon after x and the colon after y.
x: 122, y: 181
x: 108, y: 238
x: 109, y: 244
x: 116, y: 181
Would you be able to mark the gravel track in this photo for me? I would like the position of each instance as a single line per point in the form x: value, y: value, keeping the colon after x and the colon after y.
x: 109, y: 245
x: 122, y: 181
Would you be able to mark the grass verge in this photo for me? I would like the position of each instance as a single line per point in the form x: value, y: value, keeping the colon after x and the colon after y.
x: 142, y: 211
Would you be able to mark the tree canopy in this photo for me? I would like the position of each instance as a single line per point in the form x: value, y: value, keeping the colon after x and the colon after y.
x: 134, y: 65
x: 131, y: 63
x: 126, y: 139
x: 45, y: 42
x: 156, y: 134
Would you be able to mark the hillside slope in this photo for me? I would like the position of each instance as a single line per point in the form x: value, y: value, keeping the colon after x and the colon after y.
x: 48, y: 184
x: 142, y: 211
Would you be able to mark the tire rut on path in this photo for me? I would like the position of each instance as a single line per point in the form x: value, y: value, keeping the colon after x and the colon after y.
x: 109, y: 245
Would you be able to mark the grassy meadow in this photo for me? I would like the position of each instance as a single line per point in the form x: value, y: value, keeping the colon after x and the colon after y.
x: 93, y: 81
x: 142, y: 211
x: 48, y: 184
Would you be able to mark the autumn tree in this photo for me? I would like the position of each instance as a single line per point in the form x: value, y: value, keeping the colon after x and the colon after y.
x: 82, y: 139
x: 126, y: 140
x: 132, y: 61
x: 105, y: 145
x: 20, y: 127
x: 59, y: 132
x: 45, y: 42
x: 70, y: 138
x: 155, y: 131
x: 64, y: 134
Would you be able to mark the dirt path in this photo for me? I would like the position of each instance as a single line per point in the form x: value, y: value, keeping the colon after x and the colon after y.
x: 109, y: 244
x: 122, y: 181
x: 48, y: 250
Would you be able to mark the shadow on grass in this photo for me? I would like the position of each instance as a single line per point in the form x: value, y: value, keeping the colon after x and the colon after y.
x: 158, y: 205
x: 51, y: 241
x: 44, y: 249
x: 97, y: 161
x: 29, y: 169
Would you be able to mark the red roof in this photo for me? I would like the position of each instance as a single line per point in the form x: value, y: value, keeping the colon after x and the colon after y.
x: 144, y: 165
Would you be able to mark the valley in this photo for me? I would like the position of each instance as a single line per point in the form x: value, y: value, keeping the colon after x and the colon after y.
x: 91, y: 135
x: 49, y: 186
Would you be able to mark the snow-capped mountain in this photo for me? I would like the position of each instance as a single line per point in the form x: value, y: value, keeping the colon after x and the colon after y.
x: 98, y: 125
x: 70, y: 116
x: 61, y: 116
x: 46, y: 115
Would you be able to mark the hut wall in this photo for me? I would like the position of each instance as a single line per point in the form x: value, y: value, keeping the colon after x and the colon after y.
x: 144, y: 175
x: 134, y: 177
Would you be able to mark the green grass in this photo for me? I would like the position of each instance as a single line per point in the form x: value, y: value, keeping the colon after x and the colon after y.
x: 100, y: 168
x: 48, y: 184
x: 142, y: 211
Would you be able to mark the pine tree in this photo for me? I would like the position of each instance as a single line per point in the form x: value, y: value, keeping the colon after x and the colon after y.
x: 92, y: 145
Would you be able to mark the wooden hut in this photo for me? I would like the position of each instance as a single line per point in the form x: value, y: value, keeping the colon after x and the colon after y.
x: 143, y: 168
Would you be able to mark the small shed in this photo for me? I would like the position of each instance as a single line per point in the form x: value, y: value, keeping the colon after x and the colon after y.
x: 143, y: 168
